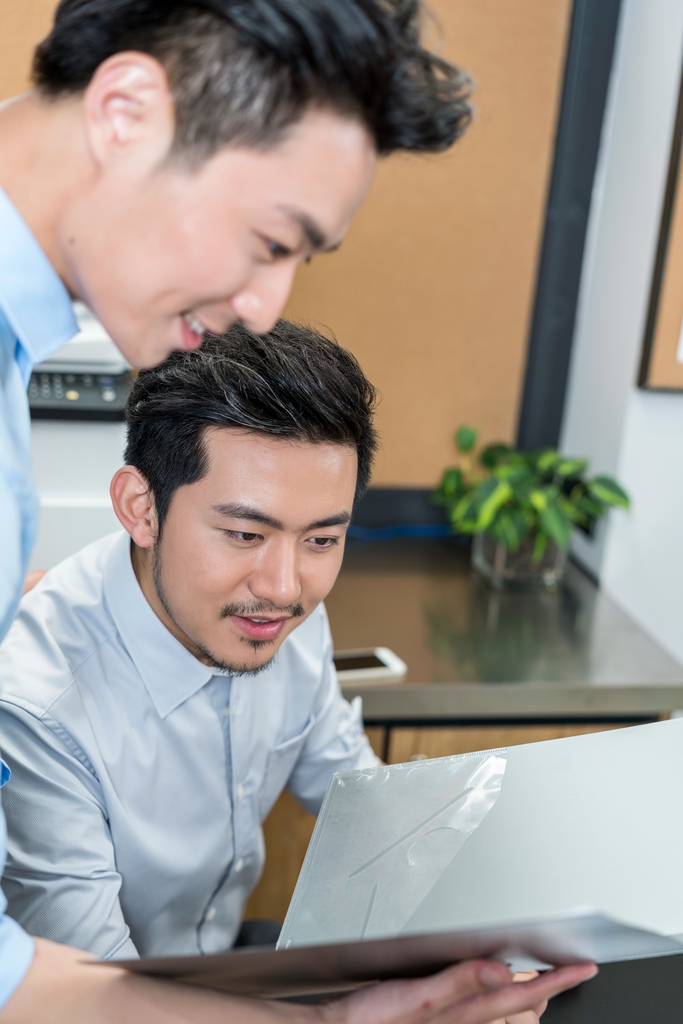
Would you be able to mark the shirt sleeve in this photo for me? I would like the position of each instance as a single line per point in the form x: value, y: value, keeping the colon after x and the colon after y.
x: 336, y: 741
x: 60, y: 881
x: 16, y: 947
x: 11, y: 562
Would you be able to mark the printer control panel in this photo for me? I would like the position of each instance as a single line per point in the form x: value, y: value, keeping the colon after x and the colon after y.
x: 87, y: 396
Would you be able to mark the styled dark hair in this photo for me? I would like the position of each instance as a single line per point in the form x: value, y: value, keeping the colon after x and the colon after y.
x: 242, y: 71
x: 291, y: 383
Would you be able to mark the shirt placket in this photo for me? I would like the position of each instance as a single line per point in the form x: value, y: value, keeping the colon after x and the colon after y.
x: 241, y: 854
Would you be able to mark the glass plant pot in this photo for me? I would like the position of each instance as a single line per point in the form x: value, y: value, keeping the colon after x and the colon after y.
x: 518, y: 568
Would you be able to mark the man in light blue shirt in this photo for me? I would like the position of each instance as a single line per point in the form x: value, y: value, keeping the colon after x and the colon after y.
x: 150, y: 722
x: 175, y: 163
x: 35, y: 318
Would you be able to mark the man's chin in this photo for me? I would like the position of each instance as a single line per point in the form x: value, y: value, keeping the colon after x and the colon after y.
x: 237, y: 664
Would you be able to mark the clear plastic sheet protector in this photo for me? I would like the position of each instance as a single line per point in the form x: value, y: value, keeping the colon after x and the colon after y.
x: 383, y: 838
x: 498, y: 838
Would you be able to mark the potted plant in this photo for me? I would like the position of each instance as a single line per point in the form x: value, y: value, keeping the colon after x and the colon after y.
x: 521, y: 507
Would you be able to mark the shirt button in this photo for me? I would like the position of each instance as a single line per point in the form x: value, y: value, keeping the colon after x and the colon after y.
x: 211, y: 913
x: 240, y: 792
x: 239, y: 865
x: 226, y: 713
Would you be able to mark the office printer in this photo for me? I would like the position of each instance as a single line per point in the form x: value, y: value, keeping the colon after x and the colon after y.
x: 86, y: 379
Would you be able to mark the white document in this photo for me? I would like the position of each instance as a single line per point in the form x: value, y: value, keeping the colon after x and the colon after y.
x: 500, y: 837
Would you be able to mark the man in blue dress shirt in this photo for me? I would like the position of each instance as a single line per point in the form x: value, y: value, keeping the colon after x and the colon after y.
x: 176, y: 162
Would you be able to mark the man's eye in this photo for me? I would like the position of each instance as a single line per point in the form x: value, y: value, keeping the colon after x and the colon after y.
x: 277, y: 251
x: 324, y: 542
x: 240, y: 535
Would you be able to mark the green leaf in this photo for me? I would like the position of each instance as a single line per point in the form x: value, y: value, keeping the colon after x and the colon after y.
x: 556, y: 525
x: 571, y: 467
x: 546, y: 459
x: 501, y: 493
x: 513, y: 473
x: 494, y: 454
x: 608, y: 491
x: 540, y: 544
x: 504, y: 530
x: 589, y: 507
x: 509, y: 527
x: 467, y: 504
x: 570, y: 510
x: 539, y: 500
x: 451, y: 485
x: 465, y: 439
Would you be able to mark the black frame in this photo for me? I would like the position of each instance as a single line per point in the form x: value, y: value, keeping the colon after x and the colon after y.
x: 588, y: 66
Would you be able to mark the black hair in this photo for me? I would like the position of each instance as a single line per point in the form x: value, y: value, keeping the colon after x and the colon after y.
x: 291, y: 383
x: 242, y: 71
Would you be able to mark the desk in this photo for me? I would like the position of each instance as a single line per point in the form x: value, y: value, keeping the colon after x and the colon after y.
x: 542, y: 664
x: 485, y: 669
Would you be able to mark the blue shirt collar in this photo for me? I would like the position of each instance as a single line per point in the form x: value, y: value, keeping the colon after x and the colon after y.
x: 170, y: 673
x: 35, y: 303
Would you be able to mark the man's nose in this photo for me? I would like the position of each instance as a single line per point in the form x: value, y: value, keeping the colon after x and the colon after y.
x: 260, y: 302
x: 277, y: 580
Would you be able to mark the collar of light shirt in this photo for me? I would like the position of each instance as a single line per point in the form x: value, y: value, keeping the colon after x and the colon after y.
x: 33, y: 299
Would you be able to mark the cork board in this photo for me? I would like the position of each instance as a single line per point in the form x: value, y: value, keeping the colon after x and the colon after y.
x: 24, y: 23
x: 662, y: 361
x: 433, y: 288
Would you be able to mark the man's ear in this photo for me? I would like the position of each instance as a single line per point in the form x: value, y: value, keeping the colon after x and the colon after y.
x: 129, y: 111
x: 134, y: 506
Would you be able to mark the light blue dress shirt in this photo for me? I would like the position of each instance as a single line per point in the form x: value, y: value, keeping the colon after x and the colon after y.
x: 35, y: 319
x: 141, y: 776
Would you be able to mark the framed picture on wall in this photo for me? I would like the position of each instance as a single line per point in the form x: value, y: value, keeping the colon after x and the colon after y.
x: 661, y: 367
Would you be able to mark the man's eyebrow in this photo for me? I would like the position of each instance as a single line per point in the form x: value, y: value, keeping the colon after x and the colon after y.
x: 234, y: 510
x: 313, y: 234
x: 340, y: 519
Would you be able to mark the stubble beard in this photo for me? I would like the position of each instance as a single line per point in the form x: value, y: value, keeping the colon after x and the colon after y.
x: 230, y: 668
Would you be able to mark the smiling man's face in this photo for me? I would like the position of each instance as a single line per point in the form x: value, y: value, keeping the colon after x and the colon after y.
x: 179, y: 249
x: 250, y: 550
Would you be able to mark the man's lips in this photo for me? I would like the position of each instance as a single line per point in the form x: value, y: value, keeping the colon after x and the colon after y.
x: 189, y: 339
x: 255, y: 630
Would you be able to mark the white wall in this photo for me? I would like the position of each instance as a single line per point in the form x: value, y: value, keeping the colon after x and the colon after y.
x: 635, y: 435
x: 73, y: 464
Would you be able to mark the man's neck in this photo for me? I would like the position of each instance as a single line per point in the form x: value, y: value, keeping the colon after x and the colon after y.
x: 44, y: 164
x: 143, y: 566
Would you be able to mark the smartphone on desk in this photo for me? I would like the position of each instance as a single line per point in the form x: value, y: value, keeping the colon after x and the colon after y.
x: 369, y: 665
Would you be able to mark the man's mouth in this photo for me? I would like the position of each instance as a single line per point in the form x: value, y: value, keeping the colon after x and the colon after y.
x: 257, y: 628
x: 191, y: 332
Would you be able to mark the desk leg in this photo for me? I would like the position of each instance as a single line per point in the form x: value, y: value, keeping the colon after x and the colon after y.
x: 632, y: 992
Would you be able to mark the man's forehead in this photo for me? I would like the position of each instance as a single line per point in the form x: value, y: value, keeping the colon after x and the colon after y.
x: 286, y: 483
x: 224, y: 441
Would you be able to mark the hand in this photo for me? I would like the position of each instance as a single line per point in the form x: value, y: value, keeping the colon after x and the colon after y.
x: 529, y: 1016
x: 32, y: 578
x: 476, y: 992
x: 61, y: 989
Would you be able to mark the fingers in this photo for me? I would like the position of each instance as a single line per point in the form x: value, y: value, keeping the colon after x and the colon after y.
x: 475, y: 992
x: 529, y: 1016
x: 32, y: 578
x: 419, y: 1001
x: 514, y: 998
